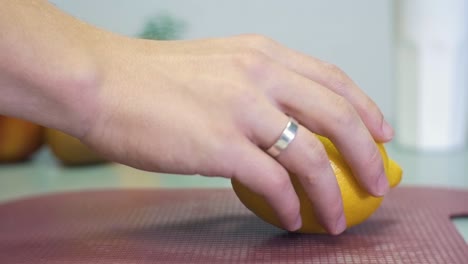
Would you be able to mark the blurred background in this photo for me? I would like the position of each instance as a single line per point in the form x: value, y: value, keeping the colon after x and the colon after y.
x: 355, y: 35
x: 368, y: 39
x: 409, y: 56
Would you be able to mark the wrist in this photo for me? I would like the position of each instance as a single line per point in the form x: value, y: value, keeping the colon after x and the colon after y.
x: 48, y: 71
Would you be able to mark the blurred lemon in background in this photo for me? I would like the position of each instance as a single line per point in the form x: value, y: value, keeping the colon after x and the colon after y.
x: 19, y: 139
x: 69, y: 150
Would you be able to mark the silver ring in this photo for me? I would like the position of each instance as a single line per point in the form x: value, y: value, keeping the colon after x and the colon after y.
x: 289, y: 133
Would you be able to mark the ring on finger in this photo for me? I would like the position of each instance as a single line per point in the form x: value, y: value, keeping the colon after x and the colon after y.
x: 286, y: 137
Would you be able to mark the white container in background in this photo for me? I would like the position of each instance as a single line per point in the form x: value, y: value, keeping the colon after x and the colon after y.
x: 432, y: 74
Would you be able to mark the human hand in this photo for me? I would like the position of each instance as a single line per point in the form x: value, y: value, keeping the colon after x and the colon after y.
x: 212, y: 107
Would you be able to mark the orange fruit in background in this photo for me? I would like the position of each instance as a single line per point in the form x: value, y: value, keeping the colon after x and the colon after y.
x: 19, y: 139
x: 69, y: 150
x: 358, y: 204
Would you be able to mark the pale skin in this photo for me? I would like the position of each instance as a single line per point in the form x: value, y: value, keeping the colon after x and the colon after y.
x: 209, y: 107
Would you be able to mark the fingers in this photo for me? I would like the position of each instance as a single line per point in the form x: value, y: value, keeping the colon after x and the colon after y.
x: 307, y: 159
x: 327, y: 102
x: 329, y: 76
x: 331, y: 115
x: 335, y: 79
x: 264, y: 176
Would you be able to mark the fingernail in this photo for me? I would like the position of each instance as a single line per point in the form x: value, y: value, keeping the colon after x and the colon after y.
x: 297, y: 225
x: 387, y: 130
x: 340, y: 224
x: 382, y: 185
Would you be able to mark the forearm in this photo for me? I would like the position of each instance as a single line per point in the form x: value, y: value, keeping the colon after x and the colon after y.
x: 49, y: 69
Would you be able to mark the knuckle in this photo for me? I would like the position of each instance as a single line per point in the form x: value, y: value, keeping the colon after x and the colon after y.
x: 257, y: 41
x: 372, y: 111
x: 345, y: 114
x: 338, y: 80
x: 246, y: 101
x: 280, y: 183
x: 252, y: 62
x: 369, y: 104
x: 374, y: 163
x: 319, y: 156
x: 318, y: 160
x: 310, y: 179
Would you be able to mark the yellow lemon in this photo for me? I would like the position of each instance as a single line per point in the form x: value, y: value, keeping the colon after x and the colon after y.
x: 358, y: 203
x: 69, y: 150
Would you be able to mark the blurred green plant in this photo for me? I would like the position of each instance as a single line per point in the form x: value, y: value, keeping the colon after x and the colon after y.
x: 163, y: 26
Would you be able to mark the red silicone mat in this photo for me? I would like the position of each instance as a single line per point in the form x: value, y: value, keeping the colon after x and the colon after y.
x: 211, y: 226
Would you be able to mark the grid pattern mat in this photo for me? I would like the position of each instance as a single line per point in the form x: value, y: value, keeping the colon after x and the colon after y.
x: 212, y: 226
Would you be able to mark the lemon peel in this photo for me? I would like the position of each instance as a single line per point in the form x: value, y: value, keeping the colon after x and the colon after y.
x: 358, y: 204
